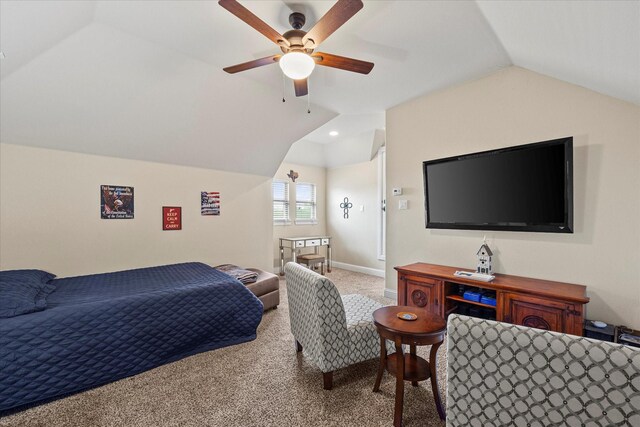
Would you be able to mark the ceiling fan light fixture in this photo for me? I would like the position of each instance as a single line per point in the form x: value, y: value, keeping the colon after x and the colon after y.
x: 297, y: 65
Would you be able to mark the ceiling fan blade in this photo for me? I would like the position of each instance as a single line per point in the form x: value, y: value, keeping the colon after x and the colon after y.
x: 340, y: 13
x: 247, y: 16
x: 342, y: 62
x: 301, y: 86
x: 252, y: 64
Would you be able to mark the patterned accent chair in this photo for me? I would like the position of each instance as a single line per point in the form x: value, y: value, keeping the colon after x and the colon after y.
x: 334, y: 331
x: 506, y: 375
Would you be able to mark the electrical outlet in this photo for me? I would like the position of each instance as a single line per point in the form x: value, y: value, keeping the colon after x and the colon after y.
x: 361, y: 208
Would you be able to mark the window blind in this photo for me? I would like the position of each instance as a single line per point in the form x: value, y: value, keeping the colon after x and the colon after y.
x: 305, y: 203
x: 280, y: 193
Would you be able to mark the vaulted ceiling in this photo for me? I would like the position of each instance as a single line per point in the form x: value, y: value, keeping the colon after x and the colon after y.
x: 144, y: 79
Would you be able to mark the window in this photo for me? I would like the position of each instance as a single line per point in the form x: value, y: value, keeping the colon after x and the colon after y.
x: 280, y: 192
x: 305, y: 203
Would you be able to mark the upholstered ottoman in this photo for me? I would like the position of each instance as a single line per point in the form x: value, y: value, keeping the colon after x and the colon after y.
x: 266, y: 288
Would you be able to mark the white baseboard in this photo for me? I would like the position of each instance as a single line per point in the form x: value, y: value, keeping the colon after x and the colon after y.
x: 349, y: 267
x: 358, y: 269
x: 390, y: 293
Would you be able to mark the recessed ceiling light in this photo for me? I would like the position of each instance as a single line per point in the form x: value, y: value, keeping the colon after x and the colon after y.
x: 333, y: 133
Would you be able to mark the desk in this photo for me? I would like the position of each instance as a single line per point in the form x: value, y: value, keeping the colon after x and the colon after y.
x: 294, y: 244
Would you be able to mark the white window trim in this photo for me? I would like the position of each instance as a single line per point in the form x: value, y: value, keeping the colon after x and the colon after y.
x: 306, y: 222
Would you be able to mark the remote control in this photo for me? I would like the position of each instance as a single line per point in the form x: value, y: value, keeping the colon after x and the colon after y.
x: 475, y: 276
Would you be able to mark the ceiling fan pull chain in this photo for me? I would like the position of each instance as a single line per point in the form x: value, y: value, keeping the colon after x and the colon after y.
x: 283, y: 89
x: 308, y: 95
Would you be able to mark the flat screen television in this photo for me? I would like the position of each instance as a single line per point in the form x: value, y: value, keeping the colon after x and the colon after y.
x: 522, y: 188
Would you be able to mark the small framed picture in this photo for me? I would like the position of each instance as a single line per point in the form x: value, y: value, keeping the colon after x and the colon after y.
x: 171, y: 218
x: 116, y: 202
x: 210, y: 203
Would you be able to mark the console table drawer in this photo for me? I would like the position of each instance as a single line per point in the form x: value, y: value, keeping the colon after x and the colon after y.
x: 314, y: 242
x: 299, y: 243
x: 325, y: 242
x: 425, y: 280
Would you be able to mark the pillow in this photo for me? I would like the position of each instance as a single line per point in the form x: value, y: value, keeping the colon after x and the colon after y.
x: 24, y: 291
x: 239, y: 273
x: 29, y: 276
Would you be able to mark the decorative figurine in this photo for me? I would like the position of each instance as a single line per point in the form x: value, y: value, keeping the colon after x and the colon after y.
x: 293, y: 175
x: 484, y: 259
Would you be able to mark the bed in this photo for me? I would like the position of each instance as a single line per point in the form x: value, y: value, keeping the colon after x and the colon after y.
x: 100, y: 328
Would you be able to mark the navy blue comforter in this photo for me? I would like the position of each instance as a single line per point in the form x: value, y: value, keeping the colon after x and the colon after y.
x: 100, y: 328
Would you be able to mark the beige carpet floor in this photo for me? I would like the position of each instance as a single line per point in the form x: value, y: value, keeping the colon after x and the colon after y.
x: 260, y: 383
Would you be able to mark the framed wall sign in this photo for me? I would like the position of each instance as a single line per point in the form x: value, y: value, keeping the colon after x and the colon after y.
x: 116, y: 202
x: 210, y: 203
x: 171, y: 218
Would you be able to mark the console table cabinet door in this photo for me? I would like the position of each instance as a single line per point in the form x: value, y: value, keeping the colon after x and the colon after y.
x: 538, y: 313
x: 424, y: 295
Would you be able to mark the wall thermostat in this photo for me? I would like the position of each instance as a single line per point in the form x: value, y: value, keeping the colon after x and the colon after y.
x: 397, y: 191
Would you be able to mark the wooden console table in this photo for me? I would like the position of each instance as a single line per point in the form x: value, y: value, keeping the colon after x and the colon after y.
x: 294, y: 244
x: 537, y: 303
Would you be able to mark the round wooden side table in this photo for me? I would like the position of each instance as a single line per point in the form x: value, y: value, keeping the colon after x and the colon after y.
x: 427, y: 329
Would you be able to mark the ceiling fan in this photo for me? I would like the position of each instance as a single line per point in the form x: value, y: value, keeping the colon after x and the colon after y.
x: 299, y: 57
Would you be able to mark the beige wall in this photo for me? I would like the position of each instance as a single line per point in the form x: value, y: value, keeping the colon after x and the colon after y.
x: 512, y: 107
x: 50, y: 214
x: 313, y: 175
x: 355, y: 240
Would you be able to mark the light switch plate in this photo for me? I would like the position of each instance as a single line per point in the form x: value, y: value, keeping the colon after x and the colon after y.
x: 403, y: 204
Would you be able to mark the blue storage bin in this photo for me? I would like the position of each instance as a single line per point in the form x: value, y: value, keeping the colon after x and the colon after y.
x: 472, y: 296
x: 488, y: 299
